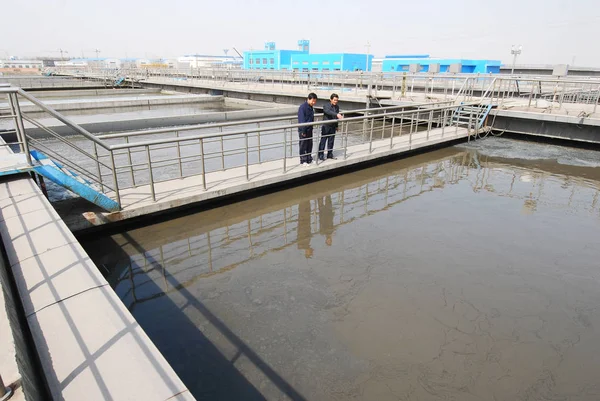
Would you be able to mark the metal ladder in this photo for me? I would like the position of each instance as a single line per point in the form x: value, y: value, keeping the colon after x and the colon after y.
x: 471, y: 115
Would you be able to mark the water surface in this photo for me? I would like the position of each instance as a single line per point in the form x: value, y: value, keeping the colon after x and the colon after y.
x: 468, y: 273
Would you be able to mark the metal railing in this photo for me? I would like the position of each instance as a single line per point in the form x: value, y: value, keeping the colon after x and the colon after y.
x: 495, y: 88
x: 115, y: 162
x: 50, y: 82
x: 527, y: 92
x: 84, y: 159
x: 394, y: 84
x: 151, y: 161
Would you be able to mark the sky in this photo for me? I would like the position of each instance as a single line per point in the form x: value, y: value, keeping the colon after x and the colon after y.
x: 550, y: 31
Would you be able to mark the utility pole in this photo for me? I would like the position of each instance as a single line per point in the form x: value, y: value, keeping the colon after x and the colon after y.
x: 97, y: 53
x: 368, y: 51
x: 515, y: 51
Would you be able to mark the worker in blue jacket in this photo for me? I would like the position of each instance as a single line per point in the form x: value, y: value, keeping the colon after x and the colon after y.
x: 306, y: 114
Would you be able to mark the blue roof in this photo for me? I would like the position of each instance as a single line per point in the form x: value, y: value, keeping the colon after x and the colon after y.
x: 207, y: 55
x: 409, y: 56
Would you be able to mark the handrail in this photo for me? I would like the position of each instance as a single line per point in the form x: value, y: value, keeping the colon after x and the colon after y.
x: 218, y: 74
x: 243, y: 122
x: 62, y: 118
x: 461, y: 88
x: 61, y: 139
x: 276, y: 128
x: 484, y: 95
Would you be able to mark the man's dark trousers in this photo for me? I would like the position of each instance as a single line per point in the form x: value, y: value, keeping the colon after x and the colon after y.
x: 306, y: 145
x: 327, y: 137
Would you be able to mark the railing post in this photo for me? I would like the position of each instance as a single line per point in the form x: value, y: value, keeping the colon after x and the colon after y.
x: 469, y: 126
x: 21, y: 127
x: 411, y: 129
x: 178, y: 155
x: 115, y: 178
x: 150, y: 173
x: 383, y: 127
x: 416, y: 123
x: 562, y: 96
x: 392, y: 133
x: 284, y: 150
x: 203, y: 164
x: 222, y: 149
x: 371, y: 134
x: 401, y: 124
x: 98, y: 166
x: 444, y: 118
x: 346, y: 141
x: 13, y: 111
x: 258, y: 133
x: 318, y: 142
x: 429, y: 123
x: 247, y: 168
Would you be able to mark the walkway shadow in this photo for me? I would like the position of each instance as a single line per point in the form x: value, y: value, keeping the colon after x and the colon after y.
x: 207, y: 373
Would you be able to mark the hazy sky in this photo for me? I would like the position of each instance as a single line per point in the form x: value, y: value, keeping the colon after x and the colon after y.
x: 551, y: 31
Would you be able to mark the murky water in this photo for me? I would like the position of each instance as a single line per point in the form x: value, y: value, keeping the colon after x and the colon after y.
x: 468, y: 273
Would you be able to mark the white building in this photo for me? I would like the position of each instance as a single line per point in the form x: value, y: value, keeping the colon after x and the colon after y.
x: 21, y: 64
x: 206, y: 61
x: 112, y: 63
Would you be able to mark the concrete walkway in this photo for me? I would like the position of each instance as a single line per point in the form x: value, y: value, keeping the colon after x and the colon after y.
x: 186, y: 191
x: 89, y: 345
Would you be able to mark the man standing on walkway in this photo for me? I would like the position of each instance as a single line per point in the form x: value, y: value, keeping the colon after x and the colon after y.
x: 306, y: 114
x: 331, y: 111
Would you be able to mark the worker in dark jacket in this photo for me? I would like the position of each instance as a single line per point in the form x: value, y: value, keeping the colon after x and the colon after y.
x: 331, y: 112
x: 306, y: 114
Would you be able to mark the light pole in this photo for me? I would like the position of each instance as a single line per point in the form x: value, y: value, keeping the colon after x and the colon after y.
x: 368, y: 51
x: 515, y: 51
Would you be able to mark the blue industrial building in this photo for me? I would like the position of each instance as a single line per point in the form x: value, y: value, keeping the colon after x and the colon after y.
x: 424, y: 62
x: 331, y: 62
x: 272, y: 59
x: 301, y: 60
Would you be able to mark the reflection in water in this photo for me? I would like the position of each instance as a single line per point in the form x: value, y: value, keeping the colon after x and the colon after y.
x: 451, y: 275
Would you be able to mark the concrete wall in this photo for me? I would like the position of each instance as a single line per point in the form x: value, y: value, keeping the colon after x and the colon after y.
x: 570, y: 128
x: 19, y: 364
